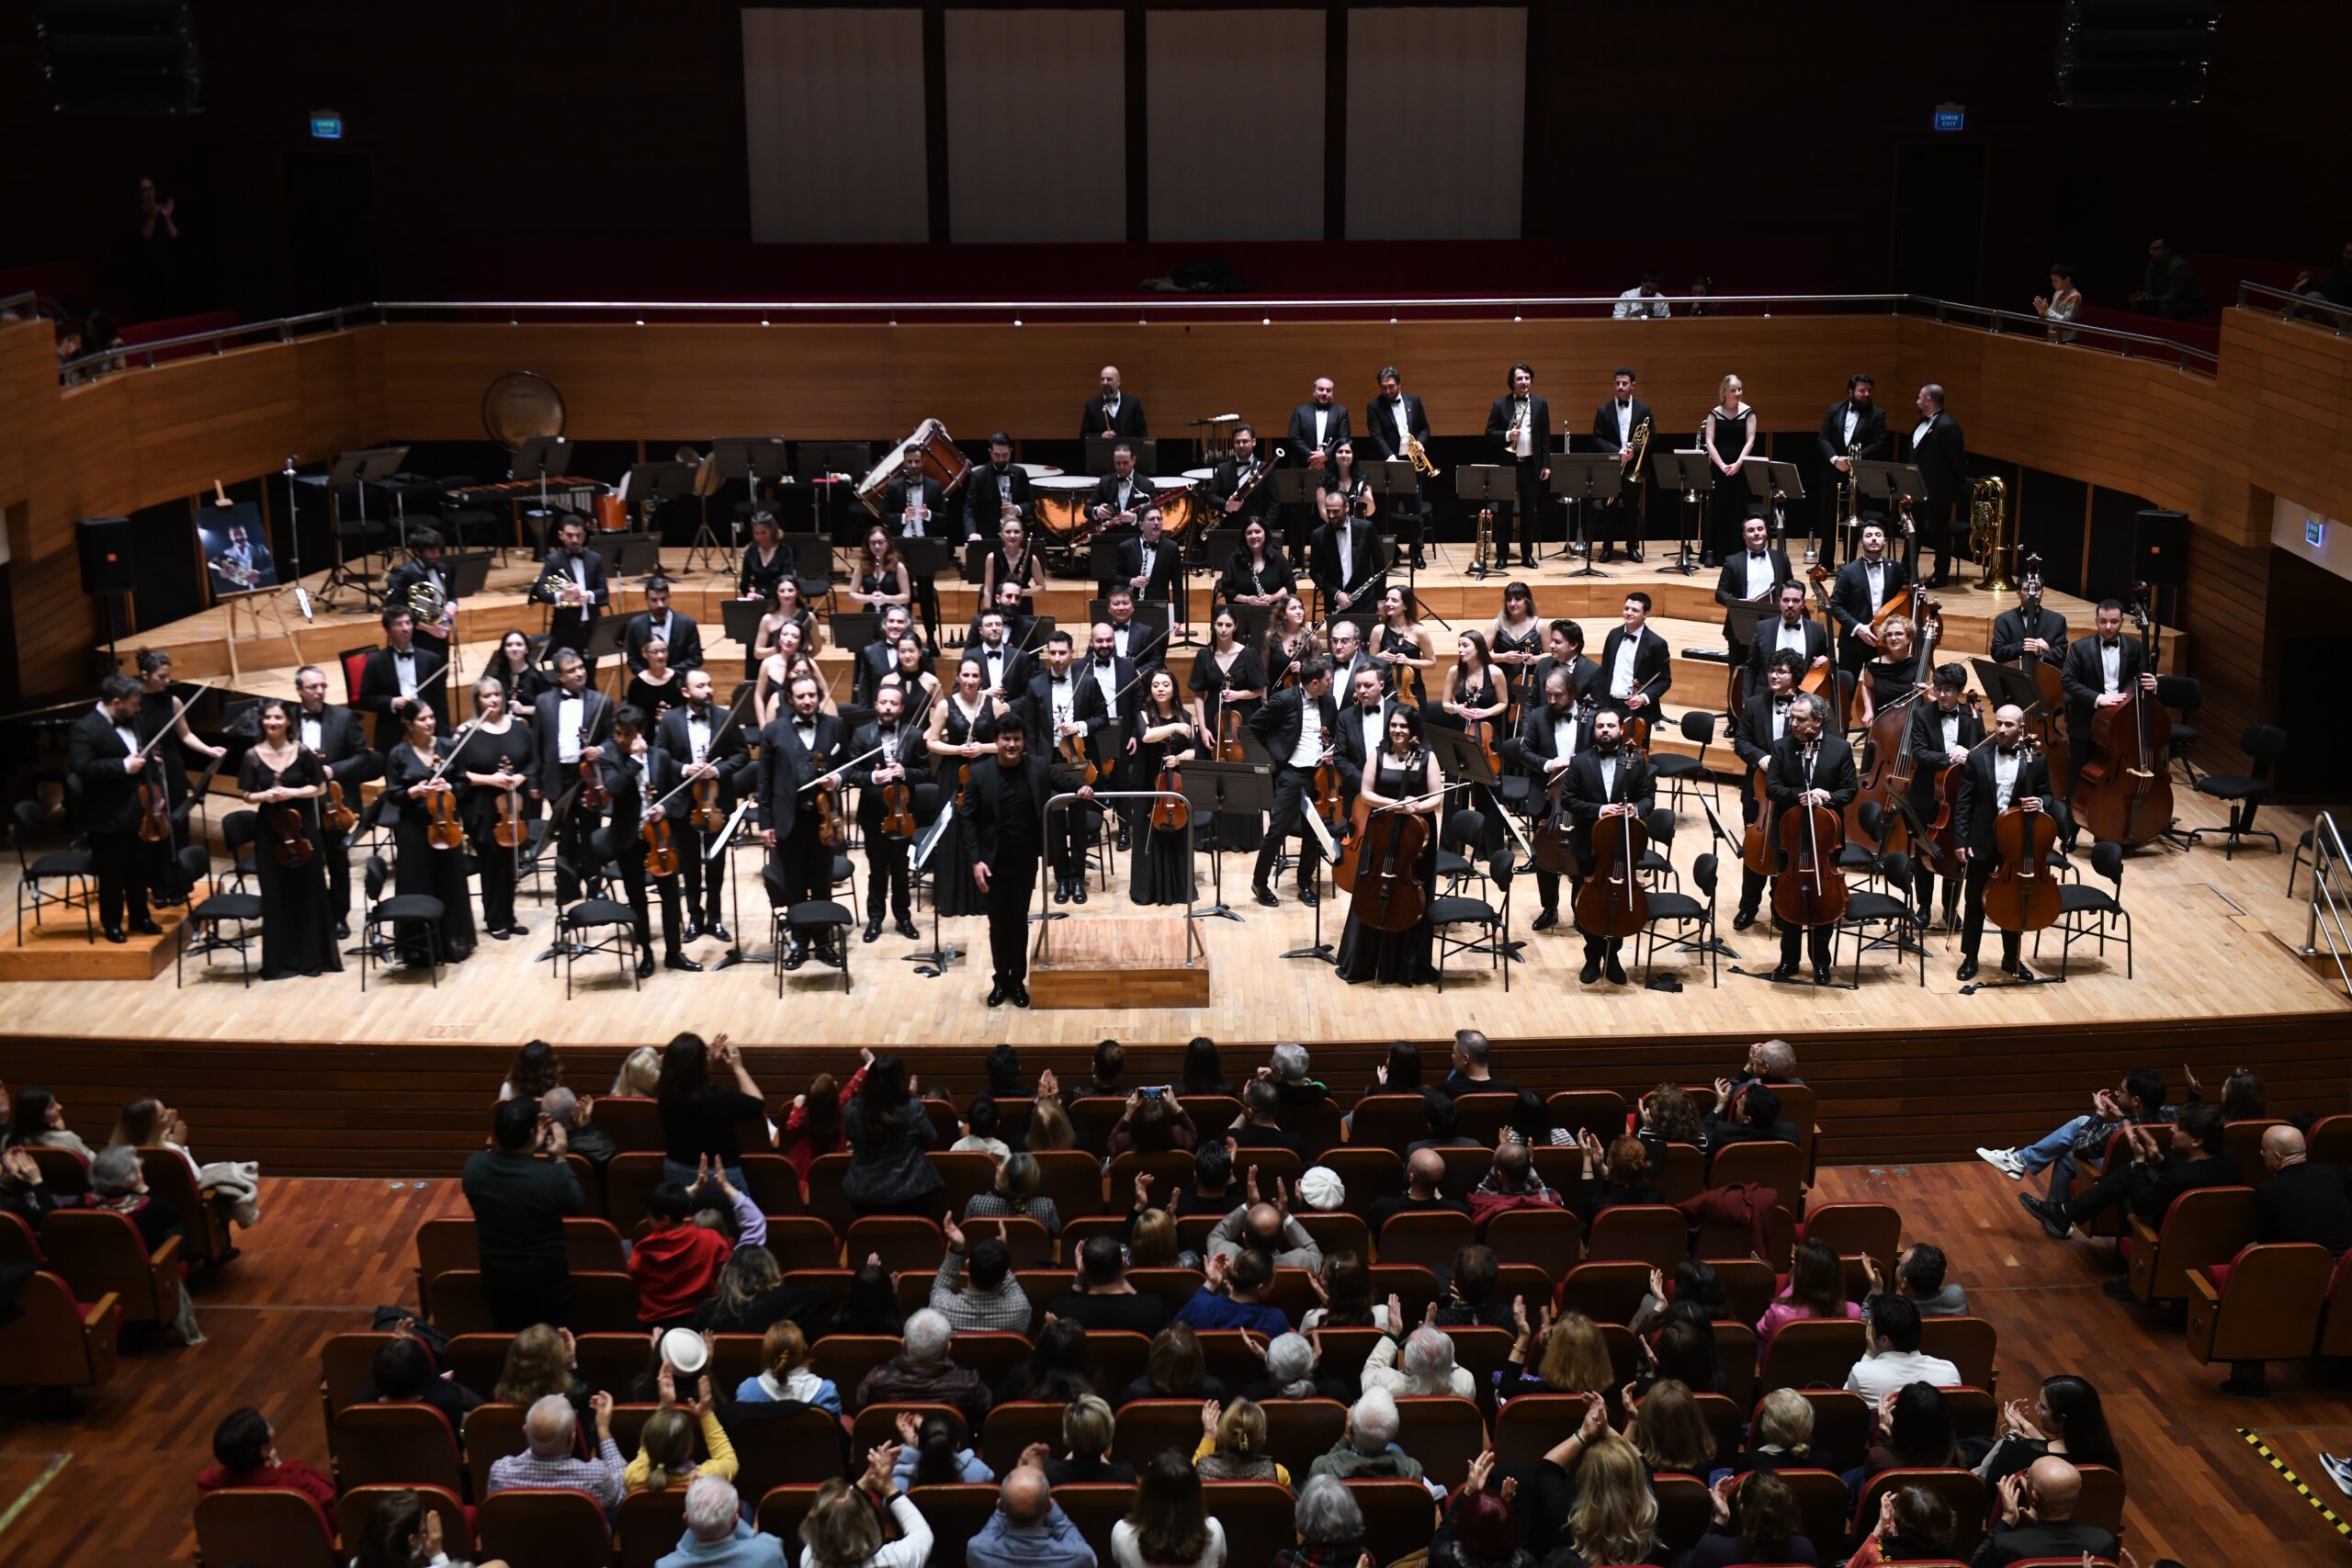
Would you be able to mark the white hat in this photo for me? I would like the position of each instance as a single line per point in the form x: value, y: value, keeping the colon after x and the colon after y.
x: 1321, y: 1189
x: 684, y: 1350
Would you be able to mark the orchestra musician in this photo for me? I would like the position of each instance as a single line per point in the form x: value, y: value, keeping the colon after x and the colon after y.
x: 1393, y: 426
x: 1856, y: 421
x: 1227, y: 679
x: 1475, y: 693
x: 400, y: 675
x: 998, y: 659
x: 102, y: 752
x: 1520, y: 425
x: 1143, y: 643
x: 418, y: 867
x: 1007, y: 603
x: 1942, y: 731
x: 1014, y: 564
x: 1998, y: 777
x: 1288, y: 641
x: 1940, y: 454
x: 1612, y: 431
x: 1148, y: 562
x: 1161, y: 729
x: 767, y: 559
x: 1257, y: 506
x: 1563, y: 649
x: 2099, y: 672
x: 1750, y: 574
x: 1893, y: 674
x: 1551, y: 734
x: 1792, y: 631
x: 1111, y: 412
x: 963, y: 727
x: 1061, y: 701
x: 882, y: 578
x: 2032, y: 629
x: 1363, y: 724
x: 1345, y: 479
x: 1606, y: 781
x: 877, y: 659
x: 1636, y: 667
x: 155, y: 710
x: 1349, y: 656
x: 1864, y: 584
x: 784, y: 609
x: 1003, y: 834
x: 1317, y: 426
x: 804, y: 747
x: 1298, y: 725
x: 1104, y: 711
x: 422, y: 569
x: 1343, y: 557
x: 1257, y: 573
x: 1813, y: 768
x: 914, y: 507
x: 1728, y: 435
x: 698, y: 742
x: 569, y: 724
x: 897, y: 757
x: 639, y: 775
x: 654, y: 689
x: 1763, y: 723
x: 491, y: 763
x: 1121, y: 493
x: 1403, y: 772
x: 332, y: 734
x: 518, y: 674
x: 277, y: 776
x: 571, y: 580
x: 658, y: 620
x: 1404, y: 645
x: 997, y: 493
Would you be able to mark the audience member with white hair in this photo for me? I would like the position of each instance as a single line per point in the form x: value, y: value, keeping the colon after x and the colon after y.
x: 591, y: 1143
x: 1423, y: 1365
x: 922, y: 1372
x: 1330, y: 1528
x: 1367, y: 1450
x: 1287, y: 1068
x: 117, y: 1184
x: 552, y: 1432
x: 717, y: 1536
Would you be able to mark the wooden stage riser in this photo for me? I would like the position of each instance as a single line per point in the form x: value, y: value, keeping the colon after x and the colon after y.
x: 319, y: 1108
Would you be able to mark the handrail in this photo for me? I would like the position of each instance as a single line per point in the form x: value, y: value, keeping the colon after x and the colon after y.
x: 2328, y: 869
x: 22, y: 296
x: 286, y: 329
x: 2293, y: 307
x: 1041, y: 955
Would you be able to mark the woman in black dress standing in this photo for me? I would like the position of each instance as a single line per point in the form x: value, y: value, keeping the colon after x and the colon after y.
x: 1287, y: 640
x: 882, y: 578
x: 280, y: 777
x: 1342, y: 477
x: 1258, y: 572
x: 654, y: 688
x: 1159, y: 729
x: 517, y: 675
x: 490, y: 761
x: 1476, y: 694
x: 1729, y: 436
x: 1228, y: 679
x: 409, y: 767
x: 1403, y: 772
x: 1894, y: 674
x: 1011, y: 561
x: 962, y: 728
x: 1516, y: 638
x: 1403, y: 644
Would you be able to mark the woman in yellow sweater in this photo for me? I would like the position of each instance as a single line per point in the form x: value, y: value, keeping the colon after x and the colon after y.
x: 665, y: 1453
x: 1233, y: 1444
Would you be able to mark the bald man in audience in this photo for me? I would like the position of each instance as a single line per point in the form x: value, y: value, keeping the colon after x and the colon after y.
x: 2038, y: 1514
x: 1028, y: 1529
x: 2302, y: 1201
x: 1424, y: 1192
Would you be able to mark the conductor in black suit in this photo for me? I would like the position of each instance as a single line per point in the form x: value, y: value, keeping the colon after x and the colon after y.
x: 658, y: 620
x: 1298, y: 725
x: 1865, y: 585
x: 1809, y: 768
x: 1751, y: 574
x: 1551, y: 736
x: 1636, y: 667
x: 802, y: 746
x: 1004, y: 833
x: 1791, y: 630
x: 422, y: 569
x: 1606, y: 783
x: 1856, y: 422
x: 2098, y: 672
x: 1940, y: 454
x: 699, y: 741
x: 572, y: 579
x: 396, y: 677
x: 334, y: 734
x: 1111, y: 412
x: 102, y: 754
x: 1613, y: 423
x: 898, y: 757
x: 1148, y: 563
x: 1391, y: 423
x: 1520, y: 425
x: 571, y: 724
x: 995, y: 490
x: 1996, y: 778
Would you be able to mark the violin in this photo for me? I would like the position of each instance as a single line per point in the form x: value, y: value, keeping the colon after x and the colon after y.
x: 832, y: 831
x: 512, y: 831
x: 334, y: 811
x: 2123, y: 789
x: 1810, y: 890
x: 154, y: 808
x: 593, y: 795
x: 898, y: 809
x: 1611, y: 903
x: 442, y: 829
x: 660, y: 851
x: 2021, y: 894
x: 290, y: 842
x: 1072, y: 750
x: 705, y: 814
x: 1756, y: 844
x: 1170, y: 816
x: 1230, y: 724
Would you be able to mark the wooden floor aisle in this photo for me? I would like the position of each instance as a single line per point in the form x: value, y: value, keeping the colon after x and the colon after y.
x: 330, y: 1251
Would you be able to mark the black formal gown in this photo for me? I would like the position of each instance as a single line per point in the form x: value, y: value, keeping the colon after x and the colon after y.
x: 1160, y: 869
x: 649, y: 697
x: 494, y: 863
x: 1280, y: 660
x: 421, y: 868
x: 1399, y: 958
x: 1234, y: 829
x: 1728, y: 508
x: 1007, y: 569
x: 1484, y: 691
x: 1529, y: 641
x: 1394, y: 641
x: 951, y: 868
x: 297, y: 930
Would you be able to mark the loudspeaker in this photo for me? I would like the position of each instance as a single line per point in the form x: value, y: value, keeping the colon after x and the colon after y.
x: 106, y: 554
x: 2134, y: 54
x: 2160, y: 548
x: 121, y: 56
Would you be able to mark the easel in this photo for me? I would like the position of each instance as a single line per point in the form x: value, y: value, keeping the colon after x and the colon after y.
x: 1581, y: 480
x: 258, y: 604
x: 1692, y: 473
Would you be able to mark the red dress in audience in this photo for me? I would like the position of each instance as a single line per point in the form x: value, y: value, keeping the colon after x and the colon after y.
x: 799, y: 1145
x: 280, y: 1475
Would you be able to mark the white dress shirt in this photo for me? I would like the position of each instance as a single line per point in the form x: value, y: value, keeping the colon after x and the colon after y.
x: 1621, y: 670
x: 314, y: 731
x: 1309, y: 750
x: 1525, y: 421
x: 1633, y: 304
x: 1625, y: 407
x: 1375, y: 732
x: 1322, y: 422
x: 2006, y: 764
x: 404, y: 667
x: 1874, y: 578
x: 1853, y: 418
x: 1759, y: 573
x: 2110, y: 665
x: 1404, y: 424
x: 570, y: 723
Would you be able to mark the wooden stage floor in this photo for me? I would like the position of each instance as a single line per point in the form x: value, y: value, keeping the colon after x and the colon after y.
x: 328, y: 1252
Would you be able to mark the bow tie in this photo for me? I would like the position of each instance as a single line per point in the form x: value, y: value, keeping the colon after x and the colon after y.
x: 1756, y: 555
x: 1103, y: 662
x: 1623, y: 404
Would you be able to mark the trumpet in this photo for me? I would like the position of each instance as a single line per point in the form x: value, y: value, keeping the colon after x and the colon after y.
x: 1420, y: 458
x: 1518, y: 430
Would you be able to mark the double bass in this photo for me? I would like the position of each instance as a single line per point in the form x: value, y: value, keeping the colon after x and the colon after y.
x: 1889, y: 764
x: 2022, y: 893
x: 2122, y: 791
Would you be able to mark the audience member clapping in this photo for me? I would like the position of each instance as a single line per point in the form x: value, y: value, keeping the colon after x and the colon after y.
x: 1177, y: 1367
x: 1292, y: 1371
x: 1343, y: 1296
x: 889, y: 1134
x: 922, y: 1372
x: 1170, y: 1525
x: 991, y: 1298
x: 843, y: 1526
x: 665, y: 1449
x: 403, y: 1373
x: 786, y: 1374
x: 1568, y: 1353
x: 699, y: 1113
x: 814, y: 1124
x: 1756, y: 1519
x: 1028, y: 1529
x: 1368, y: 1449
x: 551, y: 1458
x: 1234, y: 1295
x: 929, y: 1454
x: 401, y: 1533
x: 1670, y: 1432
x: 1101, y: 1296
x: 1817, y: 1288
x: 677, y: 1266
x: 2067, y: 1419
x: 1233, y: 1444
x: 1470, y: 1300
x: 1421, y: 1364
x: 1481, y: 1527
x: 230, y: 1186
x: 1512, y: 1183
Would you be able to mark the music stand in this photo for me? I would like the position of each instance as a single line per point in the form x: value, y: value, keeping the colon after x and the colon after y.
x: 1693, y: 474
x: 1097, y: 453
x: 1296, y: 488
x: 1582, y: 479
x: 358, y: 469
x: 1249, y: 623
x: 1765, y: 476
x: 1745, y: 616
x: 853, y: 629
x: 535, y: 458
x: 1329, y: 855
x: 648, y: 485
x: 1890, y: 483
x: 926, y: 558
x: 635, y: 555
x: 605, y: 641
x: 1240, y: 788
x: 934, y: 964
x: 2009, y: 686
x: 740, y: 617
x: 1481, y: 485
x: 723, y: 843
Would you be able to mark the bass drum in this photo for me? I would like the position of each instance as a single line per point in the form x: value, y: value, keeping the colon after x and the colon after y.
x: 1061, y: 505
x: 1183, y: 507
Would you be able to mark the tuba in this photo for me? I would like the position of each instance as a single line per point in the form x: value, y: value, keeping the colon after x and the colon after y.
x: 1990, y: 529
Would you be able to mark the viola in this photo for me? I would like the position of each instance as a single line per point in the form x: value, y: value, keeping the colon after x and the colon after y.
x: 1228, y: 745
x: 1388, y: 895
x: 2122, y: 791
x: 898, y: 809
x: 1170, y: 816
x: 832, y: 831
x: 705, y: 814
x: 1611, y: 903
x: 2022, y: 895
x: 442, y: 829
x: 593, y: 795
x: 334, y: 811
x: 154, y: 806
x: 290, y: 842
x: 1756, y: 844
x: 1810, y: 890
x: 512, y: 831
x: 660, y: 851
x: 1327, y: 805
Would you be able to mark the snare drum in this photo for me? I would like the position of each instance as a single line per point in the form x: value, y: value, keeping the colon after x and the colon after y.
x: 1061, y: 505
x: 1182, y: 508
x: 612, y: 514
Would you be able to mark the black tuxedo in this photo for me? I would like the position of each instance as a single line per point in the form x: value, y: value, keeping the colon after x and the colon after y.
x: 786, y: 808
x: 1534, y: 492
x: 553, y: 779
x: 1035, y: 708
x: 1106, y: 725
x: 1259, y: 503
x: 1380, y: 424
x: 1940, y: 454
x: 1653, y: 673
x: 1850, y: 605
x: 1731, y: 587
x: 634, y: 783
x: 342, y: 746
x: 984, y: 500
x: 1619, y: 516
x: 1535, y: 747
x: 379, y: 687
x: 1869, y: 434
x: 1302, y: 430
x: 568, y: 625
x: 1140, y: 492
x: 1278, y: 724
x: 1014, y: 674
x: 1146, y: 641
x: 2082, y: 674
x: 875, y: 662
x: 1586, y: 794
x: 1350, y: 752
x: 1924, y: 739
x: 729, y: 754
x: 407, y: 575
x: 1584, y: 676
x: 1753, y: 740
x: 1768, y: 634
x: 898, y: 495
x: 887, y: 879
x: 1005, y: 830
x: 686, y: 642
x: 2011, y: 628
x: 1359, y: 567
x: 107, y: 804
x: 1786, y: 779
x: 1158, y: 559
x: 1129, y: 422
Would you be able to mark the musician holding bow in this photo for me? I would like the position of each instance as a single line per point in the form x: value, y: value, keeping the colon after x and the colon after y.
x: 1942, y: 733
x: 1809, y: 768
x: 1865, y: 585
x: 1791, y: 631
x: 334, y: 734
x: 1997, y: 778
x: 638, y: 774
x: 893, y: 753
x: 801, y: 753
x: 1606, y: 782
x: 2099, y: 672
x: 1552, y: 735
x: 1299, y: 725
x: 104, y: 757
x: 698, y: 742
x: 569, y: 724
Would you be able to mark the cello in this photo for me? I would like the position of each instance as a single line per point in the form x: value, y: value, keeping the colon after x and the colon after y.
x: 1889, y: 764
x: 1809, y: 890
x: 1941, y: 852
x: 2046, y: 682
x: 2022, y: 895
x: 2122, y: 791
x: 1612, y: 903
x: 1384, y: 867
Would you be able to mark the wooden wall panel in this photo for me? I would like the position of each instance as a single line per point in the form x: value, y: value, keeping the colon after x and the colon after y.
x: 2226, y: 604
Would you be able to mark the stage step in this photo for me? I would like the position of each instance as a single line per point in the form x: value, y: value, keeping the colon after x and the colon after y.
x: 60, y: 948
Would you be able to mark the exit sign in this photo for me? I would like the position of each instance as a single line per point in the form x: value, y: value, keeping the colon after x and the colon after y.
x: 2315, y: 532
x: 326, y: 125
x: 1952, y: 116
